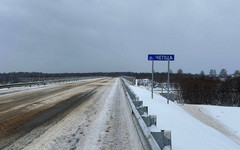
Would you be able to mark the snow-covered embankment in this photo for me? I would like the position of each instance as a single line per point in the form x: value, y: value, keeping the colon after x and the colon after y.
x: 188, y: 133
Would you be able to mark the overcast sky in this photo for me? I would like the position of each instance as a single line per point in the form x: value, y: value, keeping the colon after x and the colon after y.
x: 117, y: 35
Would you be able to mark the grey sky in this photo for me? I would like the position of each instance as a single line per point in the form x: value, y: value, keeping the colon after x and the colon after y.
x: 117, y: 35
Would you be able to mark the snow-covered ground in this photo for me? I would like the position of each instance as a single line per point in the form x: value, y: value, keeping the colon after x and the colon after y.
x: 188, y: 133
x: 229, y: 126
x: 229, y: 116
x: 161, y: 90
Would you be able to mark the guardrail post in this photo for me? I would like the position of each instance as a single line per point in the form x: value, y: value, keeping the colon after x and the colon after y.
x: 153, y: 119
x: 137, y: 98
x: 163, y: 138
x: 138, y: 103
x: 150, y: 120
x: 143, y: 110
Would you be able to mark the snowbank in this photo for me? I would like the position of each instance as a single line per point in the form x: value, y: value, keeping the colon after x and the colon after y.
x: 188, y: 133
x: 228, y: 116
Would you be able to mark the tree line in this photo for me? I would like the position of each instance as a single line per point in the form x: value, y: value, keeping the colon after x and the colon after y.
x: 208, y: 90
x: 222, y: 89
x: 192, y: 88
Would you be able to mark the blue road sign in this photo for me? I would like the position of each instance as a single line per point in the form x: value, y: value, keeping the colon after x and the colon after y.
x: 164, y: 57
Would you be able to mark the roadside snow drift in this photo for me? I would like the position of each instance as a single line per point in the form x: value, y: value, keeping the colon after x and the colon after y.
x: 228, y: 116
x: 188, y: 133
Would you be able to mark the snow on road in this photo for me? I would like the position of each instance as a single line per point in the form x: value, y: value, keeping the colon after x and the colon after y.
x: 104, y: 122
x: 5, y: 91
x: 188, y: 133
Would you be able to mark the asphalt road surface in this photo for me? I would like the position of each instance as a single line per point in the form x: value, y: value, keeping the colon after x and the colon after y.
x: 90, y: 114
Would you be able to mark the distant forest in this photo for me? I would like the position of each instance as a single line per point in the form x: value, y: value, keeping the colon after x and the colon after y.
x: 193, y: 88
x: 208, y: 90
x: 202, y: 89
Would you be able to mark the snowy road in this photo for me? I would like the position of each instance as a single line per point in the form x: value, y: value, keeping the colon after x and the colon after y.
x: 85, y: 115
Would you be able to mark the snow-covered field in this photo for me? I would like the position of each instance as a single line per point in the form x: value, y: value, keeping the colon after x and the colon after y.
x: 188, y: 133
x: 229, y: 116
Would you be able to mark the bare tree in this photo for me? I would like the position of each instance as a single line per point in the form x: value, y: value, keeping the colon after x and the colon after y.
x: 236, y: 73
x: 212, y: 73
x: 202, y: 73
x: 223, y: 73
x: 180, y: 71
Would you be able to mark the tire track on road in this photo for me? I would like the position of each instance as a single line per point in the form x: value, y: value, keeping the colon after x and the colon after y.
x: 10, y: 130
x: 17, y: 126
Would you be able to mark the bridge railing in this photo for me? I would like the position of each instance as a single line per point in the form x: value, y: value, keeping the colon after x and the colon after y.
x: 150, y: 140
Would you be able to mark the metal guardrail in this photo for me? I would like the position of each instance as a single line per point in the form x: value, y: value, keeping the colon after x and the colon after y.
x: 155, y: 140
x: 22, y: 84
x: 43, y: 82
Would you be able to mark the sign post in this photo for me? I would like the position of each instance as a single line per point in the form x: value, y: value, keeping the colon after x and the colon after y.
x: 168, y: 82
x: 161, y: 57
x: 152, y: 77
